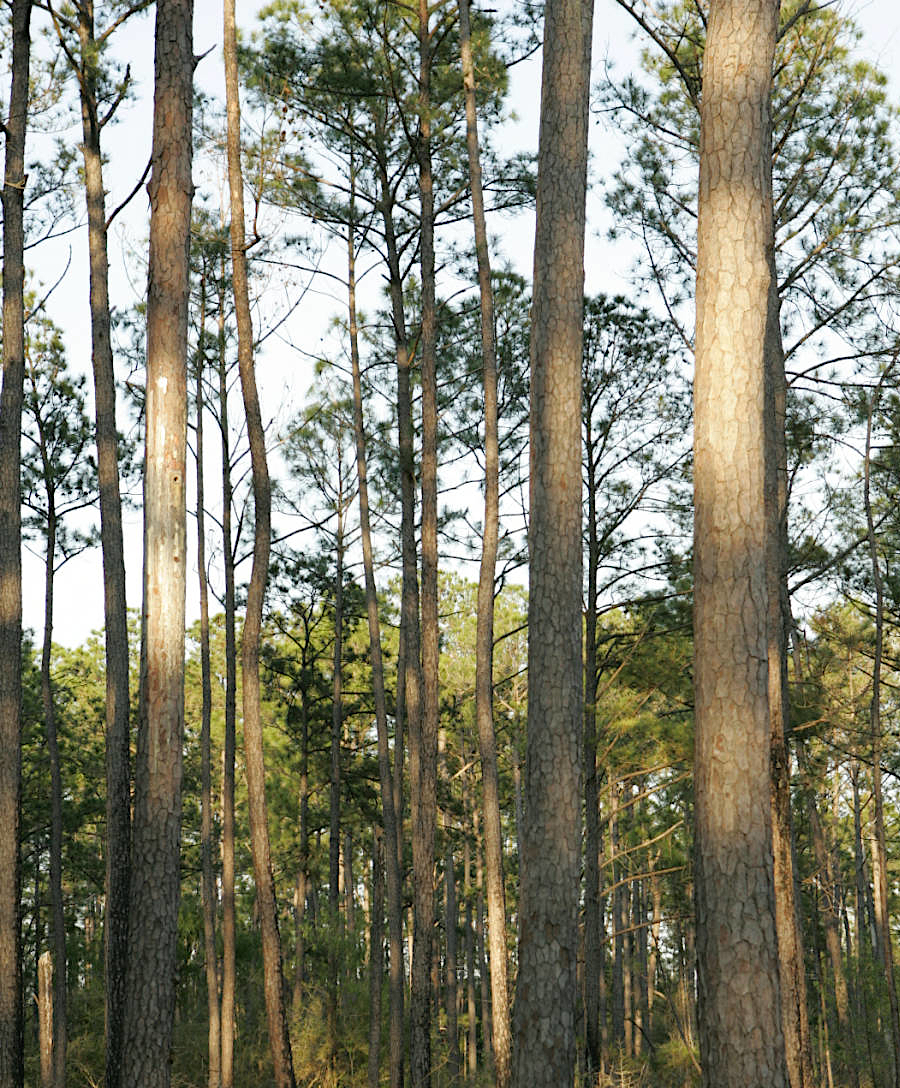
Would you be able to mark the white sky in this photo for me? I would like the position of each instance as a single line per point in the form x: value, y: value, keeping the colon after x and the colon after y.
x: 79, y: 592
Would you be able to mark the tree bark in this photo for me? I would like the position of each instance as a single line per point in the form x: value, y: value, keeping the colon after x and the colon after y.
x: 45, y: 1018
x: 12, y: 1072
x: 484, y: 636
x: 376, y: 957
x: 230, y: 736
x: 118, y: 728
x: 279, y: 1040
x: 388, y: 785
x: 794, y: 1014
x: 208, y: 879
x: 741, y: 1039
x: 879, y: 849
x: 423, y: 778
x: 156, y: 876
x: 58, y: 927
x: 544, y: 1032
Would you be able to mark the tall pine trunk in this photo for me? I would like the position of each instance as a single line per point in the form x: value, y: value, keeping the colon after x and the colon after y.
x: 879, y: 848
x: 207, y: 864
x: 156, y: 841
x: 484, y: 635
x: 229, y: 938
x: 423, y: 778
x: 741, y: 1039
x: 12, y: 1071
x: 388, y: 785
x: 544, y: 1051
x: 279, y: 1041
x: 118, y: 747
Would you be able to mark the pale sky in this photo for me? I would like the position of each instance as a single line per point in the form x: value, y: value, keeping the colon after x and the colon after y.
x: 79, y: 592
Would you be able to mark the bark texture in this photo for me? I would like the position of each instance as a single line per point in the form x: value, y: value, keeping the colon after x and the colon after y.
x: 544, y: 1028
x: 388, y: 786
x: 156, y: 876
x: 118, y: 744
x: 484, y: 635
x: 741, y: 1040
x: 12, y: 1071
x: 279, y: 1040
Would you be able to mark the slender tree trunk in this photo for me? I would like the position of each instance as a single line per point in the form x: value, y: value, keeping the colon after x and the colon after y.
x: 208, y: 878
x: 794, y: 1015
x: 484, y: 637
x: 544, y: 1051
x: 230, y: 736
x: 879, y: 850
x: 279, y: 1041
x: 376, y: 957
x: 592, y: 936
x: 618, y: 921
x: 60, y: 973
x: 334, y: 836
x: 388, y: 785
x: 741, y: 1039
x: 118, y: 746
x: 12, y: 1072
x: 450, y: 924
x: 423, y: 779
x: 156, y: 875
x: 303, y: 867
x: 471, y: 1015
x: 831, y: 926
x: 45, y: 1017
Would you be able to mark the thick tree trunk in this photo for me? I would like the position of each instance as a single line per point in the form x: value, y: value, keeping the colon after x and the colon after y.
x: 156, y: 875
x: 279, y: 1041
x: 484, y: 636
x: 544, y: 1051
x: 388, y: 785
x: 452, y: 993
x: 741, y: 1037
x: 208, y: 879
x: 118, y: 745
x: 12, y: 1070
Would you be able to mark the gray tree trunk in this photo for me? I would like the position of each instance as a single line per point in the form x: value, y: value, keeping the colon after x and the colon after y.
x: 544, y: 1030
x: 12, y: 1070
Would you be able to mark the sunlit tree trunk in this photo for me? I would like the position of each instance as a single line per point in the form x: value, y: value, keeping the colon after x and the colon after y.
x: 794, y: 1015
x: 544, y: 1031
x: 156, y: 841
x: 388, y: 786
x: 279, y: 1041
x: 12, y: 1071
x: 118, y: 746
x: 230, y: 735
x: 208, y: 879
x: 484, y: 637
x: 741, y: 1039
x: 45, y: 1018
